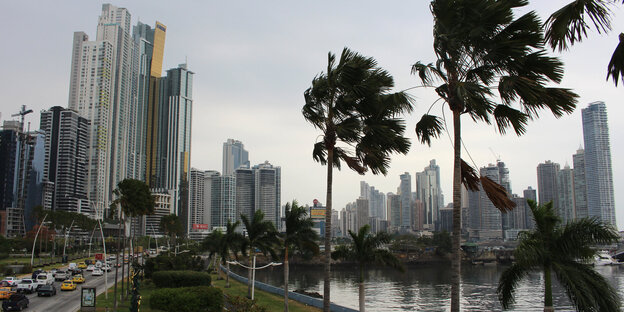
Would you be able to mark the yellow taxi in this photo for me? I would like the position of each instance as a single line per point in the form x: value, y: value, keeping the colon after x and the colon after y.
x: 6, y: 292
x: 82, y: 265
x: 78, y: 279
x: 68, y: 285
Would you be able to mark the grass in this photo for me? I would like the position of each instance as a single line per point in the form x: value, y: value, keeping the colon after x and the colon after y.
x: 270, y: 301
x: 48, y: 267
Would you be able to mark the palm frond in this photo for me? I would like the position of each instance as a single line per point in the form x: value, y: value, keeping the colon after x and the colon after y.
x: 428, y: 127
x: 352, y: 161
x: 588, y: 289
x: 428, y: 73
x: 497, y: 194
x: 470, y: 177
x: 567, y: 25
x: 577, y: 237
x: 508, y: 283
x: 506, y: 116
x: 615, y: 69
x: 319, y: 153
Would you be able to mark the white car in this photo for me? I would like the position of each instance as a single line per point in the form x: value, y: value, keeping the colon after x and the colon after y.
x: 90, y: 267
x: 11, y: 280
x: 44, y: 279
x: 27, y: 285
x: 97, y: 272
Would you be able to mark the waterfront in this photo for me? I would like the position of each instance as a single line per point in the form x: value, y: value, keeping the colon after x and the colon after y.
x: 425, y: 287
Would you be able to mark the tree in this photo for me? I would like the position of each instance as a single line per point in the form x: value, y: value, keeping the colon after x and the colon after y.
x: 261, y: 235
x: 565, y: 250
x: 299, y: 235
x: 481, y: 47
x: 365, y: 249
x: 231, y: 241
x: 357, y: 116
x: 568, y: 25
x: 171, y: 225
x: 212, y: 244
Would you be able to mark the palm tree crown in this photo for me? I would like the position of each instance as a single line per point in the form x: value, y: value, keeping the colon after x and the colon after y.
x: 261, y: 235
x: 299, y: 233
x: 565, y: 250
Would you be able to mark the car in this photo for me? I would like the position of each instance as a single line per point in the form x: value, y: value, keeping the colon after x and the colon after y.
x: 90, y: 267
x: 36, y: 272
x: 6, y: 292
x: 44, y: 279
x: 68, y: 285
x: 16, y: 302
x: 27, y: 285
x: 82, y: 265
x: 97, y: 272
x: 76, y: 271
x: 61, y: 275
x: 78, y: 279
x: 46, y: 290
x: 11, y: 280
x: 88, y: 262
x: 72, y: 266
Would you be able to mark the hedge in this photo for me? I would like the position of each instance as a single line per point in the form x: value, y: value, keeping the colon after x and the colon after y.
x: 175, y: 279
x: 187, y: 299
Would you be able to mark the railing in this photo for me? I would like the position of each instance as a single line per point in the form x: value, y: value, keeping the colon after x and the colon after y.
x: 311, y: 301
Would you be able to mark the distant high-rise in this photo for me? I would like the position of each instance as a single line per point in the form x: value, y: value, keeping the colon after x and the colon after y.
x: 245, y: 192
x: 362, y: 213
x: 580, y: 187
x: 429, y: 192
x: 491, y: 218
x: 376, y: 200
x: 406, y: 201
x: 267, y: 191
x: 394, y: 210
x: 66, y: 150
x: 547, y: 186
x: 234, y: 156
x: 199, y: 201
x: 598, y: 170
x: 565, y: 184
x: 529, y: 193
x: 223, y: 201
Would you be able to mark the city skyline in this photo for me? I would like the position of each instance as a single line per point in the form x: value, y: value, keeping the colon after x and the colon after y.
x: 252, y: 75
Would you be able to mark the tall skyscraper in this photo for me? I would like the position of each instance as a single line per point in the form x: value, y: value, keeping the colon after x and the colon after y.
x: 580, y: 187
x: 491, y: 218
x: 565, y: 183
x: 66, y: 159
x: 223, y: 201
x: 394, y: 210
x: 362, y: 213
x: 429, y: 192
x: 197, y: 213
x: 267, y: 191
x: 245, y: 192
x: 234, y: 156
x: 547, y: 186
x: 405, y: 189
x: 376, y: 200
x: 598, y: 170
x: 529, y: 193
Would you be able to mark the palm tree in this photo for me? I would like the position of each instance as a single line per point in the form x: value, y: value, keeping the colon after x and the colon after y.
x: 171, y: 225
x: 567, y: 251
x: 298, y: 236
x: 261, y: 235
x: 480, y: 48
x: 568, y: 25
x: 365, y: 249
x: 232, y: 242
x: 357, y: 116
x: 212, y: 244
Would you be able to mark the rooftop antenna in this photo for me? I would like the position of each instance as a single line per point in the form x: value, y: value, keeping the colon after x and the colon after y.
x: 22, y: 113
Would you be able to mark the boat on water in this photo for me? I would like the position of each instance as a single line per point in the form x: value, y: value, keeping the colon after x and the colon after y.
x: 604, y: 258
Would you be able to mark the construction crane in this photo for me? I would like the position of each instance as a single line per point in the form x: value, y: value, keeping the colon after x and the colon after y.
x: 497, y: 156
x: 22, y: 113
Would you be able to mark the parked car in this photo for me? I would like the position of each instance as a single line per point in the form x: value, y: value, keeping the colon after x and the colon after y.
x: 68, y: 285
x: 78, y: 279
x: 27, y: 285
x: 16, y: 302
x: 46, y: 290
x: 11, y: 280
x: 6, y: 292
x: 61, y: 275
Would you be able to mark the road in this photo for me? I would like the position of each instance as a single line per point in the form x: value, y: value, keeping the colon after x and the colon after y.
x: 68, y: 301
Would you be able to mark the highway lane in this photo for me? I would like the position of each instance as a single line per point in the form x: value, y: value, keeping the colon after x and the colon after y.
x: 69, y: 301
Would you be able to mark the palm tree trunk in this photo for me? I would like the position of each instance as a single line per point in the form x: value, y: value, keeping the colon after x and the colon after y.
x: 227, y: 273
x: 286, y: 279
x: 548, y: 301
x: 249, y: 273
x: 361, y: 290
x: 328, y: 212
x: 116, y: 269
x: 123, y: 257
x: 456, y: 253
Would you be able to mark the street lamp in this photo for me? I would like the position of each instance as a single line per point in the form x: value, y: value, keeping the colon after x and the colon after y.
x: 32, y: 255
x: 253, y: 272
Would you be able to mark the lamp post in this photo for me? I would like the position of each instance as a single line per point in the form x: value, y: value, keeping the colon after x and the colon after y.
x: 253, y: 272
x: 32, y: 255
x: 67, y: 234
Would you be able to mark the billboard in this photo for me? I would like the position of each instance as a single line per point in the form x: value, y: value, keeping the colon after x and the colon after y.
x: 317, y: 213
x: 99, y: 256
x: 199, y: 226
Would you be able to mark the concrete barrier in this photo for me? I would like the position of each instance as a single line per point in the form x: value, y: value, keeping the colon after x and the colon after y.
x: 307, y: 300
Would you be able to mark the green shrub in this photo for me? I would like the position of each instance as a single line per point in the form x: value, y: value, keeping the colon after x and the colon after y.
x: 187, y: 299
x: 242, y: 304
x: 175, y: 279
x: 166, y: 262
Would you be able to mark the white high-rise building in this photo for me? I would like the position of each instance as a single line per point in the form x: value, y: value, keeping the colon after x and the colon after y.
x: 598, y: 170
x: 405, y: 191
x: 267, y: 191
x: 429, y: 192
x: 565, y: 184
x: 580, y: 187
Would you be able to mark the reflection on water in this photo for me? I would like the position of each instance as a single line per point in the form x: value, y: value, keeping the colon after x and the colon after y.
x: 425, y: 287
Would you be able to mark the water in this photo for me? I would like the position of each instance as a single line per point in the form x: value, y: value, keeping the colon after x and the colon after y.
x: 425, y: 287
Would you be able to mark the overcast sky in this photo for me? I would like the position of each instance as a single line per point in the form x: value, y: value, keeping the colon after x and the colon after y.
x: 254, y: 59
